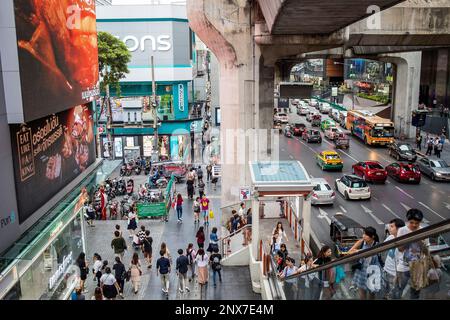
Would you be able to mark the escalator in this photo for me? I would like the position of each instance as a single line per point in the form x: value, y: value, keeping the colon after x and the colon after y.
x: 343, y: 278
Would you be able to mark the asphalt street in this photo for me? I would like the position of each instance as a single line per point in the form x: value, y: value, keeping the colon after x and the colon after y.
x: 389, y: 200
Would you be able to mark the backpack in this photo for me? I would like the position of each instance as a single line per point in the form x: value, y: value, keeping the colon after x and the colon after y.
x: 200, y: 173
x: 216, y: 263
x: 190, y: 258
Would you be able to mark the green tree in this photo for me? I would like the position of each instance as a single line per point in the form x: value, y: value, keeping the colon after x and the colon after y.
x: 113, y: 59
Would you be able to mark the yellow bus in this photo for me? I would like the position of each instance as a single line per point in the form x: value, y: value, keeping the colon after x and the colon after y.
x: 369, y: 127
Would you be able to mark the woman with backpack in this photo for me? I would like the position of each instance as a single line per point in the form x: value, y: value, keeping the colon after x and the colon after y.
x: 200, y: 238
x: 216, y: 266
x: 367, y: 276
x: 135, y: 272
x: 196, y: 208
x: 190, y: 252
x: 202, y: 261
x: 120, y: 274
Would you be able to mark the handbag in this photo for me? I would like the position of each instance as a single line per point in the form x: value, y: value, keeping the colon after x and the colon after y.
x: 211, y: 214
x: 419, y: 269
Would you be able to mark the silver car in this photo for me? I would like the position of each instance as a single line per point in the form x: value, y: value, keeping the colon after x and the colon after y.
x: 322, y: 192
x: 435, y: 169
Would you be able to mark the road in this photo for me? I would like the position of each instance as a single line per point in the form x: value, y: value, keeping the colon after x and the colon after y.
x: 389, y: 201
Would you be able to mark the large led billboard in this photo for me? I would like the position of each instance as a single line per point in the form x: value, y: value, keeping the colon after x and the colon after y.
x: 58, y: 55
x: 49, y: 153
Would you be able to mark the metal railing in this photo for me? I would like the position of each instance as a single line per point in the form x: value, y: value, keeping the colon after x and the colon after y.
x: 226, y: 241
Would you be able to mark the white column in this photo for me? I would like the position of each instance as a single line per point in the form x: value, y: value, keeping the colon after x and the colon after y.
x: 306, y: 216
x: 255, y: 228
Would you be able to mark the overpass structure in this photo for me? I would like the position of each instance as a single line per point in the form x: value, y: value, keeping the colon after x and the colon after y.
x: 258, y: 41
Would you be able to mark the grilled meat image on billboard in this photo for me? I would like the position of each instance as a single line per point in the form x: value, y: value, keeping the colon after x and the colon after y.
x: 49, y: 153
x: 58, y: 54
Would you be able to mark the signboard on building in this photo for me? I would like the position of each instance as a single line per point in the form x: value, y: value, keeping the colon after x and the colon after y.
x: 334, y: 91
x: 49, y: 153
x: 181, y: 97
x: 244, y: 193
x: 58, y: 63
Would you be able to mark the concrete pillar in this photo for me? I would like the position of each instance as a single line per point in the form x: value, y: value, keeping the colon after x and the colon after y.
x: 255, y: 228
x: 306, y: 217
x: 441, y: 75
x: 406, y: 90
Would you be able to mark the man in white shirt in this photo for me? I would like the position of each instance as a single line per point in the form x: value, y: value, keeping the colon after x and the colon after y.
x: 389, y: 269
x: 405, y: 254
x: 242, y: 210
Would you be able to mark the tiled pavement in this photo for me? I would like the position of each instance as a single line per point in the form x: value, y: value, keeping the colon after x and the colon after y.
x: 236, y: 280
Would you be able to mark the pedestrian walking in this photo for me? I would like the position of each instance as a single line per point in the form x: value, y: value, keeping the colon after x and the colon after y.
x: 141, y: 235
x: 242, y: 210
x: 163, y: 271
x: 120, y: 273
x: 200, y: 173
x: 435, y: 145
x: 389, y: 270
x: 201, y: 188
x: 205, y: 209
x: 216, y: 267
x: 190, y: 253
x: 119, y: 245
x: 196, y: 207
x: 235, y: 221
x: 166, y: 251
x: 208, y: 172
x: 132, y: 223
x: 309, y: 284
x: 200, y: 238
x: 439, y: 148
x: 326, y: 277
x: 147, y: 248
x: 429, y: 146
x: 419, y: 142
x: 202, y: 261
x: 367, y: 276
x: 83, y: 265
x: 442, y: 138
x: 290, y: 286
x: 278, y: 232
x: 406, y: 254
x: 109, y: 285
x: 182, y: 267
x: 97, y: 268
x: 135, y: 272
x: 90, y: 214
x: 179, y: 207
x: 190, y: 185
x: 213, y: 240
x: 98, y: 294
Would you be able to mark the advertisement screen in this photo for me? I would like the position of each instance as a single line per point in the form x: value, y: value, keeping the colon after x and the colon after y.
x: 174, y: 148
x: 58, y: 55
x: 148, y: 145
x: 49, y: 153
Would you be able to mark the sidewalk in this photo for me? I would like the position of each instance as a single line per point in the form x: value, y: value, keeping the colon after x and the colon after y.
x: 236, y: 280
x: 445, y: 154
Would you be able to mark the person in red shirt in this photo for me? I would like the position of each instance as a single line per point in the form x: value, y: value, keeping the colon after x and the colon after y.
x: 179, y: 207
x: 204, y: 202
x: 200, y: 238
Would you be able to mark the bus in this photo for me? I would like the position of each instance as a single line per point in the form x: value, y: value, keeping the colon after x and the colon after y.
x: 370, y: 128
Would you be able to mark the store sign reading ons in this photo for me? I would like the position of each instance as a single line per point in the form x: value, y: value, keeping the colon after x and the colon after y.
x: 160, y: 43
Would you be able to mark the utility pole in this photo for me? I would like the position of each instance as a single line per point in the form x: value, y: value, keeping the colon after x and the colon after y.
x: 155, y: 153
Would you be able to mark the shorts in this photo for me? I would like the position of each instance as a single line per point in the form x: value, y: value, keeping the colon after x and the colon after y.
x: 205, y: 213
x: 147, y: 254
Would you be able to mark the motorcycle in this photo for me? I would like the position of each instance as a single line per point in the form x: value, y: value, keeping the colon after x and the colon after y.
x: 130, y: 187
x: 137, y: 170
x: 123, y: 170
x: 113, y: 209
x: 147, y: 169
x: 121, y: 187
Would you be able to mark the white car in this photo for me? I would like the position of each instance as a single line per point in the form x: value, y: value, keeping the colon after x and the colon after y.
x: 322, y: 192
x: 332, y: 132
x: 310, y: 115
x: 282, y: 117
x: 324, y: 107
x: 313, y: 103
x: 353, y: 187
x: 302, y: 110
x: 335, y: 114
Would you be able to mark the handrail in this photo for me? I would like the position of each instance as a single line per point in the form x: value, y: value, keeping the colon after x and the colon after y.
x: 418, y: 235
x: 235, y: 232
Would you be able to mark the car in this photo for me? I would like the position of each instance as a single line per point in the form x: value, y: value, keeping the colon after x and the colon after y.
x: 313, y: 103
x: 310, y: 115
x: 327, y: 123
x: 435, y: 169
x: 312, y: 135
x: 324, y: 107
x: 332, y: 132
x: 322, y: 192
x: 342, y: 118
x: 282, y: 117
x: 370, y: 171
x: 404, y: 172
x: 298, y: 128
x: 352, y: 187
x: 329, y: 160
x: 402, y: 151
x: 302, y: 110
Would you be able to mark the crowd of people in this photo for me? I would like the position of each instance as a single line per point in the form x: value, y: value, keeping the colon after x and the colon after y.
x: 431, y: 143
x: 382, y: 276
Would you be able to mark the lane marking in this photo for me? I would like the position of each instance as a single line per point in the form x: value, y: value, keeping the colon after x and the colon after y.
x: 434, y: 187
x: 404, y: 192
x: 349, y: 156
x: 282, y: 149
x: 324, y: 215
x: 375, y: 198
x: 405, y: 206
x: 374, y: 217
x: 388, y: 182
x: 290, y: 156
x: 307, y: 146
x: 447, y: 205
x: 441, y: 192
x: 423, y: 181
x: 343, y: 209
x: 423, y: 204
x: 389, y: 209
